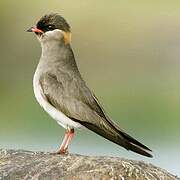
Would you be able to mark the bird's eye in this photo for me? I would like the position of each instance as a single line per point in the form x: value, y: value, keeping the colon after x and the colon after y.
x: 50, y: 27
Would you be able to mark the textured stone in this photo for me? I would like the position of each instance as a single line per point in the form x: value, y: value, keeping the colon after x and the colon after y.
x: 26, y: 165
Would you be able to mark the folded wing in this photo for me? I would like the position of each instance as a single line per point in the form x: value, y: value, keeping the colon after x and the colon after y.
x: 76, y: 101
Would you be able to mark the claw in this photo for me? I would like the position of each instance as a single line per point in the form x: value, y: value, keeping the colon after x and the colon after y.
x: 59, y: 153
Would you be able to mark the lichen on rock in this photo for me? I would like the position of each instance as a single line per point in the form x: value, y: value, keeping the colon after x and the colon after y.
x: 21, y: 164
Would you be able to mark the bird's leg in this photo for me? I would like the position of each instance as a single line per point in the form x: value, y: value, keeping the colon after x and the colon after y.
x: 61, y: 150
x: 67, y: 138
x: 70, y: 136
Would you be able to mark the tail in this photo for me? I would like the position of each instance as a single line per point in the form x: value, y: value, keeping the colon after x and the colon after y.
x: 134, y: 145
x: 129, y: 142
x: 111, y: 131
x: 108, y: 129
x: 119, y: 137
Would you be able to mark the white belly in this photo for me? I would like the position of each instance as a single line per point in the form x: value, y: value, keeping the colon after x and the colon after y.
x: 60, y: 117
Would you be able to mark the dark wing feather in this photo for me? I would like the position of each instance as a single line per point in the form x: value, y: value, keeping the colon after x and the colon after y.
x: 72, y: 97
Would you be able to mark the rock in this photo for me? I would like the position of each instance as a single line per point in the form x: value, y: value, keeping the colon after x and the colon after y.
x: 26, y: 165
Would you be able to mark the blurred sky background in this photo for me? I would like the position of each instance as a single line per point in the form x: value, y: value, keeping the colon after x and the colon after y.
x: 129, y: 54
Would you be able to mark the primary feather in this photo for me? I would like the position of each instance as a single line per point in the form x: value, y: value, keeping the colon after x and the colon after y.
x: 78, y: 103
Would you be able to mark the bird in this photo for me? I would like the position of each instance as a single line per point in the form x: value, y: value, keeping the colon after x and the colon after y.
x: 62, y: 92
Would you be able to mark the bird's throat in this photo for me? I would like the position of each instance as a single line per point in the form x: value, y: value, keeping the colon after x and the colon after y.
x: 54, y: 50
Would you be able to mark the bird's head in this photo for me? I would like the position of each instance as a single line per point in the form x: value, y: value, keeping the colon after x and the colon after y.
x: 52, y: 27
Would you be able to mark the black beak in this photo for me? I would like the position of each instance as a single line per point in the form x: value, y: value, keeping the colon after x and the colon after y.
x: 30, y: 29
x: 35, y: 29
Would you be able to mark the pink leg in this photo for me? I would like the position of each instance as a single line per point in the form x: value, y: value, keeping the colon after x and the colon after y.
x: 64, y: 146
x: 71, y: 135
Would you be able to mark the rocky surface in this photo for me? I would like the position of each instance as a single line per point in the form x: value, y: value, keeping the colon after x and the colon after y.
x: 26, y: 165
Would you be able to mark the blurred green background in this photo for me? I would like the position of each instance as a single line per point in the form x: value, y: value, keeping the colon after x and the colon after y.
x: 127, y: 51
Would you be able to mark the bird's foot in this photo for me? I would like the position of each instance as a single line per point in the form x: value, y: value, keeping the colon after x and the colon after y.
x: 60, y: 152
x: 64, y: 146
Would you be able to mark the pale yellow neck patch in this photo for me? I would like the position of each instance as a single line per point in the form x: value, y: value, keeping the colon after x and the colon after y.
x: 67, y: 37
